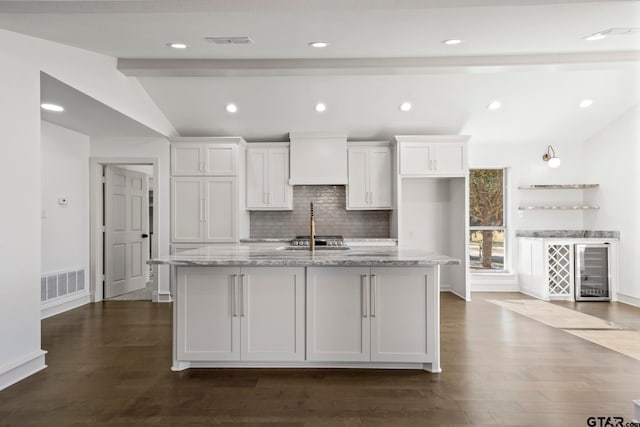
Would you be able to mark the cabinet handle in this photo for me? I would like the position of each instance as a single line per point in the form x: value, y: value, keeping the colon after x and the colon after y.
x: 245, y: 296
x: 365, y: 299
x: 374, y: 297
x: 234, y: 300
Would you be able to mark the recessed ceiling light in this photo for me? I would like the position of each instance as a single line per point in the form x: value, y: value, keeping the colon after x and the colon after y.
x: 320, y: 107
x: 452, y: 42
x: 596, y: 36
x: 405, y: 106
x: 494, y: 105
x: 232, y: 108
x: 319, y: 44
x: 52, y: 107
x: 178, y: 45
x: 585, y: 103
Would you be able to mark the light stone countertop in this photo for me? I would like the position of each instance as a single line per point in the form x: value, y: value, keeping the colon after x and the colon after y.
x: 568, y: 234
x: 272, y: 254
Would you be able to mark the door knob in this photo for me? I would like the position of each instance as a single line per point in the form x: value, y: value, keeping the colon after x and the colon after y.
x: 145, y: 235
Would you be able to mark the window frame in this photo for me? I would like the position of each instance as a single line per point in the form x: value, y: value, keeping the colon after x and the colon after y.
x: 504, y: 228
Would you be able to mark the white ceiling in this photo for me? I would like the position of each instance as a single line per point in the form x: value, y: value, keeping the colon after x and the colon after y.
x: 86, y: 115
x: 539, y: 99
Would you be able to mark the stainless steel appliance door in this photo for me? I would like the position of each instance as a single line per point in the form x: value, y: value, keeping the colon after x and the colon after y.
x: 592, y: 272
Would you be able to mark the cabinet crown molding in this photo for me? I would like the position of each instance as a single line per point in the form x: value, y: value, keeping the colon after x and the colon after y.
x: 210, y: 140
x: 431, y: 138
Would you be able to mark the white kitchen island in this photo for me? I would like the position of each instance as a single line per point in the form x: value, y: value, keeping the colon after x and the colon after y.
x: 257, y: 305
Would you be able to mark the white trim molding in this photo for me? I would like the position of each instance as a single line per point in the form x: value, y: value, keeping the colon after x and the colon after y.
x: 494, y: 282
x: 161, y: 297
x: 65, y: 304
x: 20, y: 369
x: 628, y: 300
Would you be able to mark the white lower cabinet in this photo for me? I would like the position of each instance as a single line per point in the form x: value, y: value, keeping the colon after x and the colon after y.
x: 231, y: 313
x: 338, y: 327
x: 378, y: 314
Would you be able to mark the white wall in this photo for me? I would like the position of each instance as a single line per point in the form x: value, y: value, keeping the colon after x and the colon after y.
x: 146, y: 148
x: 613, y: 161
x: 65, y: 172
x: 22, y: 59
x: 526, y: 167
x: 20, y: 353
x: 94, y: 74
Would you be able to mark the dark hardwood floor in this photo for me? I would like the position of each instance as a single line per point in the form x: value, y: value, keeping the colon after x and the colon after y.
x: 109, y: 365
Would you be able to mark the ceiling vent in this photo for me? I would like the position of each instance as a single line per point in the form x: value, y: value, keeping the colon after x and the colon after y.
x: 229, y: 40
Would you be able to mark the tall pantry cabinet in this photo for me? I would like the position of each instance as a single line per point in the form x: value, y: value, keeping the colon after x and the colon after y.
x: 207, y: 191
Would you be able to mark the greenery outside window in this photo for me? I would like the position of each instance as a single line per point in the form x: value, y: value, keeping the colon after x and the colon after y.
x: 487, y: 223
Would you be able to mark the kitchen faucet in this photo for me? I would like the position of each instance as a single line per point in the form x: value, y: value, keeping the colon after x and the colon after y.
x: 312, y: 232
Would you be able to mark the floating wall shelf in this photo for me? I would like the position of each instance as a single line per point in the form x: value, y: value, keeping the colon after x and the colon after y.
x: 558, y: 186
x: 558, y: 207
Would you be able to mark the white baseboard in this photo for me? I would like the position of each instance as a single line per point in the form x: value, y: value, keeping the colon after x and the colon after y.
x: 21, y: 369
x: 65, y: 304
x: 628, y: 300
x: 494, y: 287
x: 161, y: 297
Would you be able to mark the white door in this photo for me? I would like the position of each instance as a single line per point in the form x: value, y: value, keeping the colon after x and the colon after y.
x: 272, y: 314
x: 257, y: 178
x: 358, y: 187
x: 220, y: 210
x: 338, y: 324
x: 126, y: 231
x: 279, y: 192
x: 187, y: 159
x: 187, y: 205
x: 208, y: 311
x: 399, y: 316
x: 449, y: 159
x: 380, y: 177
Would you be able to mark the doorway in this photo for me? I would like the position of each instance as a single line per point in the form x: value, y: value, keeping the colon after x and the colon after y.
x: 123, y: 230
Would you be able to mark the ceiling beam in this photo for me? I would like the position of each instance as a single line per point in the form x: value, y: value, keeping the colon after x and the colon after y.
x: 195, y: 6
x: 372, y: 66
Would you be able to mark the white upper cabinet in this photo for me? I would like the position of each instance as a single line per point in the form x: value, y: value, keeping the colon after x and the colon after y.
x: 369, y: 176
x: 204, y: 156
x: 207, y: 190
x: 187, y: 159
x: 268, y: 177
x: 427, y: 155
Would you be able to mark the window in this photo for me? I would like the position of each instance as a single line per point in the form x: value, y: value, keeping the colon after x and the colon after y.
x: 487, y: 243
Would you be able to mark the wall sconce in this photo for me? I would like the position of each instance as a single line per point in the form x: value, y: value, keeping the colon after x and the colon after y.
x: 550, y: 158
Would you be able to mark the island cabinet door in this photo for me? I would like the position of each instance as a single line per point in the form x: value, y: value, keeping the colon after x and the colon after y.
x: 401, y: 313
x: 272, y: 313
x: 208, y: 321
x: 338, y: 326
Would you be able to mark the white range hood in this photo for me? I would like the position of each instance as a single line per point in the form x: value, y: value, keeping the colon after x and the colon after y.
x: 318, y: 158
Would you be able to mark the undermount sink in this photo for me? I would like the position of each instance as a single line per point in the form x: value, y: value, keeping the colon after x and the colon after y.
x: 318, y: 248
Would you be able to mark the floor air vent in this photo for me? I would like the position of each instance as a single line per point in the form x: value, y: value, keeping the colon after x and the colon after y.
x: 57, y: 285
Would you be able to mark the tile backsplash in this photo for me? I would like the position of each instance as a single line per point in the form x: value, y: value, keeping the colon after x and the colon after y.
x: 330, y: 215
